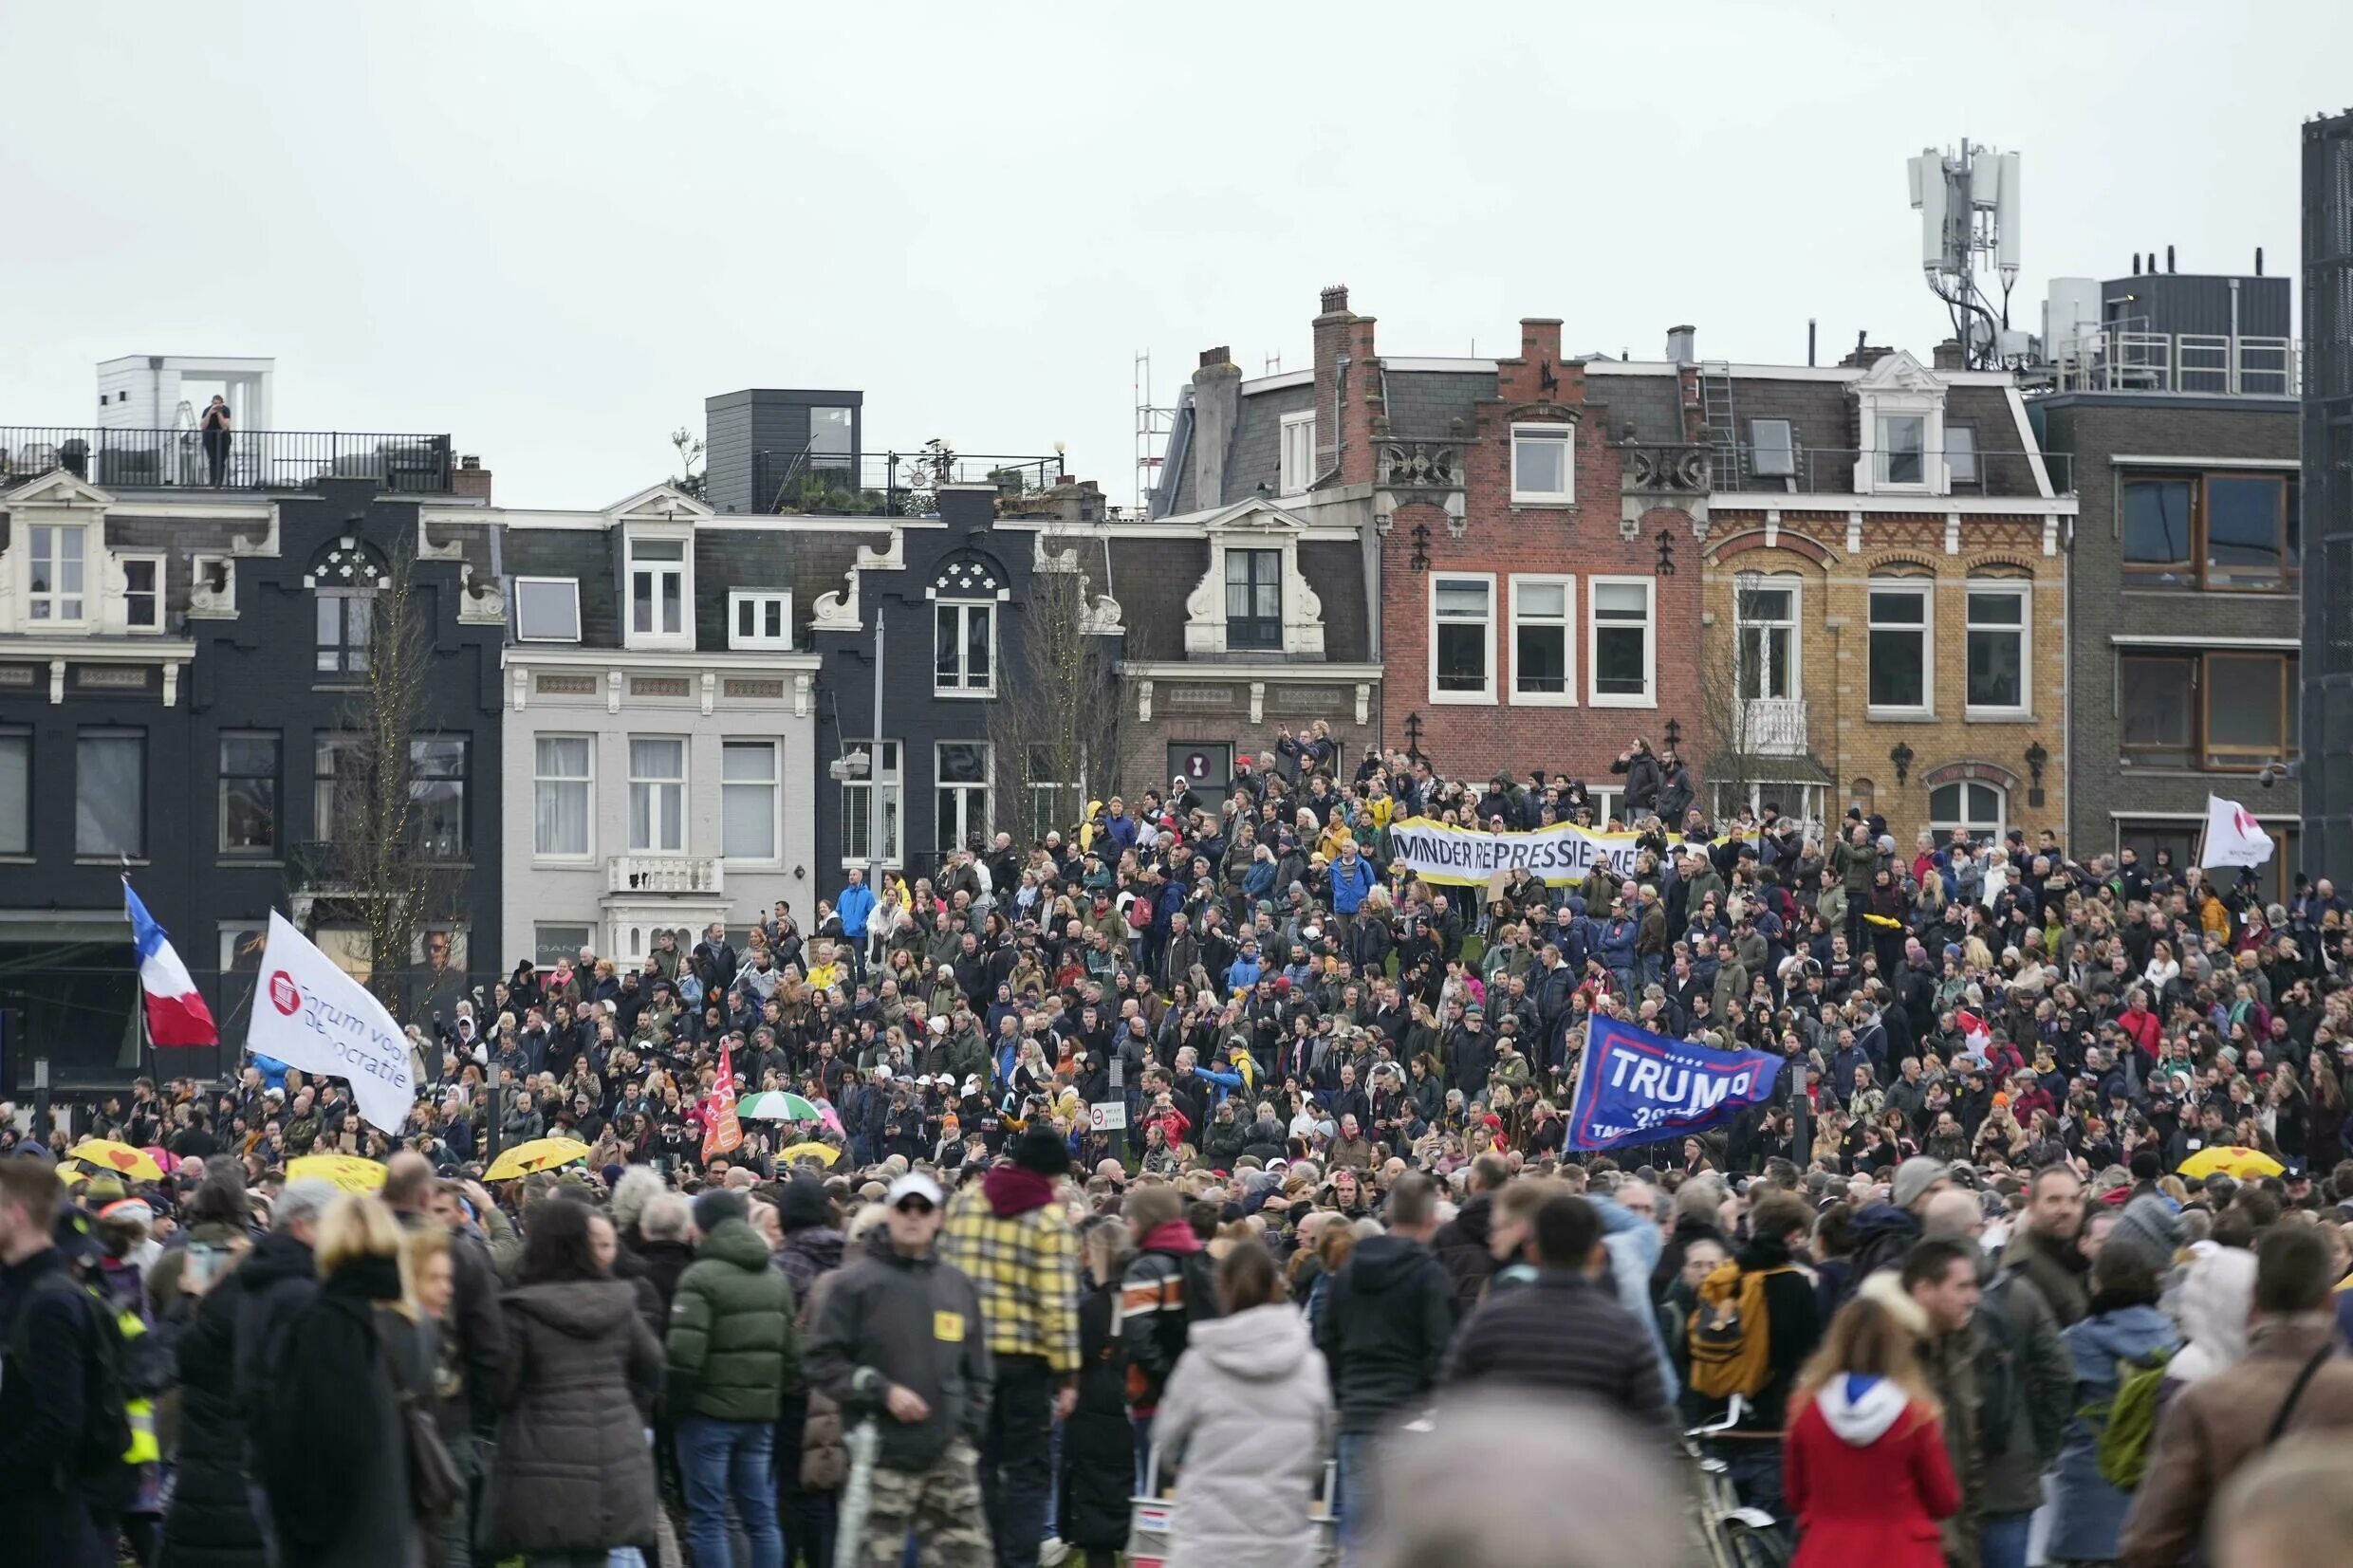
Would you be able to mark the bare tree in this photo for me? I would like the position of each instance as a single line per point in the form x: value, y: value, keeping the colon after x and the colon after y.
x: 1057, y: 723
x: 693, y: 476
x: 395, y: 820
x: 1727, y: 716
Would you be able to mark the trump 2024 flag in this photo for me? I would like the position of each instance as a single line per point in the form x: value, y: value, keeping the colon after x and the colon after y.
x: 1637, y: 1087
x: 312, y: 1015
x: 2233, y: 837
x: 175, y: 1014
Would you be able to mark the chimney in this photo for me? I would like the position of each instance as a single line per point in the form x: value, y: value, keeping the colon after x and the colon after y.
x: 1335, y: 300
x: 2169, y: 258
x: 1679, y: 345
x: 1346, y: 385
x: 1217, y: 406
x: 472, y: 480
x: 1863, y: 354
x: 1947, y: 355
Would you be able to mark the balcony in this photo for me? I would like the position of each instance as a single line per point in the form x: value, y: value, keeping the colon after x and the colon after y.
x: 1773, y: 727
x: 683, y: 876
x: 1744, y: 469
x: 256, y: 459
x: 2204, y: 364
x: 887, y: 484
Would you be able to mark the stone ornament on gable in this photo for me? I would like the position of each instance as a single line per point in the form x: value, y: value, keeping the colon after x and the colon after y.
x: 483, y: 602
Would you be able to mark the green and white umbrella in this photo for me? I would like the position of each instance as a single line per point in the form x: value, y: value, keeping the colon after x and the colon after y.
x: 775, y: 1105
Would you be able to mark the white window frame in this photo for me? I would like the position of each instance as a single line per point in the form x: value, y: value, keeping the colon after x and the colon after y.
x: 2023, y: 592
x: 759, y: 602
x: 1782, y: 454
x: 962, y: 687
x: 143, y: 558
x: 1926, y: 591
x: 1606, y: 802
x: 682, y: 569
x: 1563, y: 436
x: 1978, y: 832
x: 1885, y: 452
x: 774, y: 786
x: 46, y: 607
x: 653, y: 784
x: 1485, y: 695
x: 1794, y: 672
x: 1956, y: 459
x: 16, y: 841
x: 1296, y: 454
x: 972, y: 802
x: 586, y: 783
x: 1566, y: 623
x: 1649, y: 694
x: 570, y: 585
x: 892, y: 781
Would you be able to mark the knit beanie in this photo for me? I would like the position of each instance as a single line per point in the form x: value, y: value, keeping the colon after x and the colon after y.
x: 2148, y: 1222
x: 716, y: 1207
x: 1042, y: 1150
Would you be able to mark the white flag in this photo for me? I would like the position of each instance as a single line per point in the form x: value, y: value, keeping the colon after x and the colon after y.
x: 310, y: 1014
x: 2233, y: 837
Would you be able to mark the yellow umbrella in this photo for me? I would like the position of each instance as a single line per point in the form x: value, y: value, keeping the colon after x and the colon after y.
x: 118, y: 1157
x: 2243, y: 1163
x: 348, y: 1172
x: 824, y: 1154
x: 73, y: 1175
x: 538, y: 1154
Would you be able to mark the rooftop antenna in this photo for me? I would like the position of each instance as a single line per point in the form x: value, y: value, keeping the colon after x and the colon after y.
x: 1968, y: 202
x: 1152, y: 428
x: 1273, y: 363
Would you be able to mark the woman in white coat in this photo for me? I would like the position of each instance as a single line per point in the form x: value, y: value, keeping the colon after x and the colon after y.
x: 1247, y: 1418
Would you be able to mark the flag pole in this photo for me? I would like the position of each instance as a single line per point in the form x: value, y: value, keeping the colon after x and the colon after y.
x: 138, y: 985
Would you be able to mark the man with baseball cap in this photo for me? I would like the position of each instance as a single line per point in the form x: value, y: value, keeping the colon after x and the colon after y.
x: 901, y: 1343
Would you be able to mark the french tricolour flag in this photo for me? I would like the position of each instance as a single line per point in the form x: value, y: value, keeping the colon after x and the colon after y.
x: 175, y: 1014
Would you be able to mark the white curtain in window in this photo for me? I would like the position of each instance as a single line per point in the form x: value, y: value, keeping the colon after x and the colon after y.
x: 657, y: 795
x: 748, y: 800
x: 15, y: 794
x: 560, y: 824
x: 108, y: 795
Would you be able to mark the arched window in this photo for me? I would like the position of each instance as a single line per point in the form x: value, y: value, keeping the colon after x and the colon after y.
x: 964, y: 626
x: 1970, y: 806
x: 346, y: 578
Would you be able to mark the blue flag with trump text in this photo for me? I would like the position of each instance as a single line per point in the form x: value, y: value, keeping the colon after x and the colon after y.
x: 1636, y: 1087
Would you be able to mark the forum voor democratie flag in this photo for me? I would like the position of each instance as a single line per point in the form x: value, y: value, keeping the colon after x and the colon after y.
x: 1636, y: 1087
x: 175, y: 1014
x: 2233, y: 837
x: 312, y: 1015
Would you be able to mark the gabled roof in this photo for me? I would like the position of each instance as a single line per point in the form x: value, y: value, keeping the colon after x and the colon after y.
x: 57, y: 487
x: 659, y: 503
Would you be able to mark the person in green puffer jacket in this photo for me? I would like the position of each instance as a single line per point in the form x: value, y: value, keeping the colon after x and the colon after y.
x: 732, y: 1354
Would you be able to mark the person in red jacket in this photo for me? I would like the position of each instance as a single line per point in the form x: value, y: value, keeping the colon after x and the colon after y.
x: 1864, y: 1467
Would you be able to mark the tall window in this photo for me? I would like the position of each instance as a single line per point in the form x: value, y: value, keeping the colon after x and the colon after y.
x: 1462, y: 645
x: 964, y: 639
x: 2216, y: 711
x: 1253, y: 599
x: 1960, y: 454
x: 1298, y: 454
x: 748, y: 800
x: 336, y: 774
x: 1054, y: 801
x: 1542, y: 466
x: 1541, y: 613
x: 1904, y: 449
x: 870, y: 814
x: 437, y: 789
x: 143, y: 592
x: 110, y: 794
x: 16, y: 792
x: 658, y: 794
x: 1623, y: 654
x: 1767, y: 622
x: 54, y: 590
x: 1900, y: 661
x: 1968, y: 806
x: 248, y: 794
x: 1997, y: 649
x: 560, y: 796
x: 658, y: 588
x: 960, y: 793
x: 347, y: 627
x: 2226, y: 533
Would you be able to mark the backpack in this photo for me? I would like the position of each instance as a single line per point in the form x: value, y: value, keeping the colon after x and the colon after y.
x: 1730, y: 1333
x: 99, y: 1466
x: 2126, y: 1420
x: 1998, y: 1380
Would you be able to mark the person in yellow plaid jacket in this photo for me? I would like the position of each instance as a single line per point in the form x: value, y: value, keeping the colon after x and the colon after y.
x: 1011, y: 1235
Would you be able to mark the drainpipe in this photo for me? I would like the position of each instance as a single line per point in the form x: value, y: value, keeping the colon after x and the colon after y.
x: 2232, y: 379
x: 874, y: 766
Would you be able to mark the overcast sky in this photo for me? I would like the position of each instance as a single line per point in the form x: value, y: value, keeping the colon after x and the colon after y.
x: 554, y: 232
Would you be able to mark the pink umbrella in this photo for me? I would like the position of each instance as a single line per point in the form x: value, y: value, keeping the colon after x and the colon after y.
x: 832, y: 1117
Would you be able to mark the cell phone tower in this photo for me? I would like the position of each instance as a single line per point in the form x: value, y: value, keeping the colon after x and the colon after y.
x: 1968, y: 203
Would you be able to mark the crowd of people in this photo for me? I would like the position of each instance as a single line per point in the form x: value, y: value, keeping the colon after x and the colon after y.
x: 1207, y: 1149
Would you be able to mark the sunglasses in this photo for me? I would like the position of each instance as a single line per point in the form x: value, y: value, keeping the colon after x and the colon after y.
x: 913, y: 1205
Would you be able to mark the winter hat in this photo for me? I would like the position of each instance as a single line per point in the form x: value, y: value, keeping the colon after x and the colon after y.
x: 802, y: 1206
x: 2149, y: 1223
x: 716, y: 1207
x: 1915, y: 1176
x: 1042, y: 1151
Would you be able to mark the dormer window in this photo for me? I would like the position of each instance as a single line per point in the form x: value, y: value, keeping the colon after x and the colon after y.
x: 759, y: 617
x: 1900, y: 409
x: 547, y: 609
x: 54, y: 592
x: 657, y: 592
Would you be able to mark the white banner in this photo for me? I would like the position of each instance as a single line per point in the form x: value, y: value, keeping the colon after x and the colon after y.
x: 1559, y: 856
x: 2233, y: 837
x: 310, y: 1014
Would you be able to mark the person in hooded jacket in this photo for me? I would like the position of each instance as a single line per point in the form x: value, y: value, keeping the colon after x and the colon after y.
x: 1165, y: 1289
x: 1461, y: 1242
x: 1382, y: 1331
x: 1247, y: 1416
x: 1865, y: 1468
x: 2123, y: 1330
x: 732, y: 1354
x: 573, y: 1477
x: 1098, y: 1473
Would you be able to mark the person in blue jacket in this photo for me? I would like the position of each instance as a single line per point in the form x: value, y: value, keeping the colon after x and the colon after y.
x: 853, y: 905
x: 1618, y: 948
x: 1352, y: 878
x: 1245, y: 971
